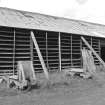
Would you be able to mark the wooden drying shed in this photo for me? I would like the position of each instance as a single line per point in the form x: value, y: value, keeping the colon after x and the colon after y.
x: 59, y: 40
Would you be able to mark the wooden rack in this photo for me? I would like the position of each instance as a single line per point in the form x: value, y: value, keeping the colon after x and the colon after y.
x: 59, y: 50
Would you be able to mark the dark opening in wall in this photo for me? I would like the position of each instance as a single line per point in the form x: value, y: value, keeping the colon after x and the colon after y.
x: 102, y: 45
x: 103, y: 53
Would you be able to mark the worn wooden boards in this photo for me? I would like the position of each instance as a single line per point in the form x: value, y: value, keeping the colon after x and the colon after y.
x: 59, y: 50
x: 26, y: 71
x: 88, y: 62
x: 93, y: 51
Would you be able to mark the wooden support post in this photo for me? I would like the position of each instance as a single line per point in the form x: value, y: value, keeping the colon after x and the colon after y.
x: 59, y: 39
x: 26, y: 74
x: 71, y: 53
x: 81, y: 52
x: 31, y: 49
x: 14, y: 54
x: 39, y: 55
x: 91, y: 41
x: 89, y: 46
x: 31, y: 53
x: 47, y: 52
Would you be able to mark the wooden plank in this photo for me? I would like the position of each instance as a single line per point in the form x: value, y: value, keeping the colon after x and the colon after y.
x: 91, y: 63
x: 26, y: 73
x: 40, y: 55
x: 71, y: 52
x: 14, y: 54
x: 31, y: 49
x: 59, y: 43
x: 29, y: 70
x: 81, y: 53
x: 21, y: 75
x: 47, y: 51
x: 94, y: 52
x: 84, y: 59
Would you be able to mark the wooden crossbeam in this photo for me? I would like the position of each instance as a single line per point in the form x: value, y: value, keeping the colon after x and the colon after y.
x: 40, y: 55
x: 94, y: 52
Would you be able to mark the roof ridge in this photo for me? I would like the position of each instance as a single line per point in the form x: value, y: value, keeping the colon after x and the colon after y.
x: 57, y: 17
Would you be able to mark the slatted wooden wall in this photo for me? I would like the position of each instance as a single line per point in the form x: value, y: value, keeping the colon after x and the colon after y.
x: 6, y: 50
x: 76, y: 51
x: 41, y: 40
x: 48, y: 44
x: 95, y: 43
x: 53, y: 50
x: 16, y: 44
x: 71, y: 45
x: 70, y: 51
x: 66, y: 51
x: 22, y: 45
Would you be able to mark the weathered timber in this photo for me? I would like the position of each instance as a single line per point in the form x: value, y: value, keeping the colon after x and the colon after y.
x: 94, y: 52
x: 59, y: 51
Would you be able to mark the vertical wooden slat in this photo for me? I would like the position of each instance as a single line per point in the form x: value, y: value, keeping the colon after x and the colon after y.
x: 99, y: 49
x: 91, y: 41
x: 59, y: 39
x: 47, y: 64
x: 14, y: 53
x: 71, y: 52
x: 31, y: 49
x: 81, y: 52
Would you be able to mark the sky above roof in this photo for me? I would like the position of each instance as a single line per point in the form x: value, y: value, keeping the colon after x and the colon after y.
x: 87, y: 10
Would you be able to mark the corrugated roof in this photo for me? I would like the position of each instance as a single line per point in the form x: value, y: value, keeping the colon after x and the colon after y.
x: 23, y: 19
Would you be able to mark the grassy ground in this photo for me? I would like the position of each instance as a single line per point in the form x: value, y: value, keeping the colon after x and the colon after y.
x: 60, y: 91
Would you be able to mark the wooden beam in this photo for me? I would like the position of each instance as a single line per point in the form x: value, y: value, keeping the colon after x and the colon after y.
x: 59, y: 43
x: 47, y: 51
x: 40, y: 55
x: 94, y: 52
x: 31, y: 49
x: 81, y: 52
x: 71, y: 52
x: 21, y: 75
x: 14, y: 53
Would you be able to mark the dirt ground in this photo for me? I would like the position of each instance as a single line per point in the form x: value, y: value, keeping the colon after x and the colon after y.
x: 60, y: 91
